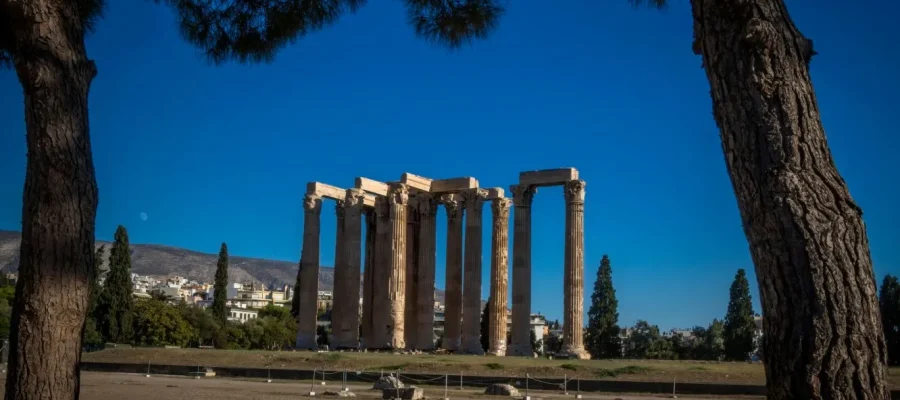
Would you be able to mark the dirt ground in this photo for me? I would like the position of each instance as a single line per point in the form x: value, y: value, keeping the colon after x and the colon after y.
x: 631, y: 370
x: 103, y: 386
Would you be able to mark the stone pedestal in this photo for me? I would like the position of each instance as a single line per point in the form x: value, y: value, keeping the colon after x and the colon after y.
x: 573, y: 296
x: 523, y: 195
x: 308, y: 275
x: 427, y: 210
x: 499, y: 276
x: 453, y: 204
x: 368, y: 278
x: 345, y: 312
x: 399, y: 198
x: 471, y: 326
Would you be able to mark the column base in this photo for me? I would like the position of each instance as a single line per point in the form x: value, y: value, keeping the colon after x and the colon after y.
x: 518, y: 350
x: 499, y: 351
x: 306, y: 341
x: 473, y: 350
x: 574, y: 353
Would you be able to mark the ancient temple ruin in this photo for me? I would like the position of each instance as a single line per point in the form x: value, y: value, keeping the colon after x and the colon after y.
x: 398, y: 263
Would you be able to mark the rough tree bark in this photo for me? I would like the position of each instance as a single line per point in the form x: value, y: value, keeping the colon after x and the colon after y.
x: 60, y: 201
x: 806, y: 234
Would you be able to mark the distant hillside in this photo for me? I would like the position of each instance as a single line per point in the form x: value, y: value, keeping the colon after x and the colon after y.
x: 151, y: 259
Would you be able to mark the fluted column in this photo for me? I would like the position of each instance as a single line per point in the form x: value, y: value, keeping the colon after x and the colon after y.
x: 309, y: 273
x: 412, y: 272
x: 346, y: 274
x: 573, y: 294
x: 340, y: 276
x: 399, y: 199
x: 427, y: 210
x: 499, y: 276
x: 380, y: 275
x: 368, y: 278
x: 521, y: 309
x: 453, y: 204
x: 471, y: 328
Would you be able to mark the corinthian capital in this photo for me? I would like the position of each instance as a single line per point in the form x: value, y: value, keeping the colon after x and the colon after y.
x: 500, y: 207
x: 474, y: 199
x: 398, y: 193
x: 574, y: 191
x: 523, y: 195
x: 353, y: 199
x: 453, y: 203
x: 427, y: 205
x: 312, y: 203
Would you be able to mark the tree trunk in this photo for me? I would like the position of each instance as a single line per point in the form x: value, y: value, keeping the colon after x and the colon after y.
x: 60, y: 202
x: 806, y: 234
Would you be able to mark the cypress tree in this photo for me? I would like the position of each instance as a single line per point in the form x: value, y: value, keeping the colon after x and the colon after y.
x: 889, y: 302
x: 116, y: 297
x: 220, y: 294
x: 485, y: 326
x: 95, y: 287
x: 739, y: 325
x: 603, y: 316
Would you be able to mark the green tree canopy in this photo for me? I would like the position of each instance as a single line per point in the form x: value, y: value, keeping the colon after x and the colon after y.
x: 157, y: 323
x: 114, y: 311
x: 739, y: 324
x: 220, y: 288
x: 602, y: 334
x: 643, y: 335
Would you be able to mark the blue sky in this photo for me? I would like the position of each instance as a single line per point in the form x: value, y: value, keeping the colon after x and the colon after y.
x: 214, y: 154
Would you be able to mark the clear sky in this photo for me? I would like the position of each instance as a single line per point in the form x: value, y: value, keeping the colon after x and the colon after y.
x: 212, y: 154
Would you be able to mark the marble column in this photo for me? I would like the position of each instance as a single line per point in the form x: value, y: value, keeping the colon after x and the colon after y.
x: 340, y: 277
x: 380, y: 274
x: 471, y: 325
x: 427, y: 210
x: 453, y: 204
x: 399, y: 200
x: 499, y: 276
x: 308, y: 275
x: 368, y: 277
x: 573, y: 293
x: 412, y: 272
x: 346, y: 274
x: 521, y: 309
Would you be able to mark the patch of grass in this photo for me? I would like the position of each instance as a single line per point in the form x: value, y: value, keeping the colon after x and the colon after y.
x: 632, y: 369
x: 604, y: 373
x: 494, y: 366
x: 330, y: 356
x: 393, y: 367
x: 698, y: 369
x: 570, y: 367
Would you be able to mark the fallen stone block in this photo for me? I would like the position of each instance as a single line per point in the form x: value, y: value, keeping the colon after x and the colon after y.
x: 387, y: 382
x: 502, y: 389
x: 410, y: 393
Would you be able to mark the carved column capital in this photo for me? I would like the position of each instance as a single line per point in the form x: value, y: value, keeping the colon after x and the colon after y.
x: 523, y: 195
x: 474, y: 200
x: 500, y: 207
x: 354, y: 199
x: 398, y: 193
x: 574, y: 191
x: 426, y: 204
x: 312, y: 203
x: 453, y: 204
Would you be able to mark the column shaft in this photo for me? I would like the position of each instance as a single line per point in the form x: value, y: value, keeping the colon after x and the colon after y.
x: 339, y: 289
x: 412, y: 273
x: 368, y: 277
x: 380, y: 290
x: 399, y: 198
x: 453, y: 204
x: 499, y: 276
x: 427, y: 210
x: 309, y: 273
x: 346, y: 279
x: 573, y: 293
x: 521, y: 309
x: 471, y: 326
